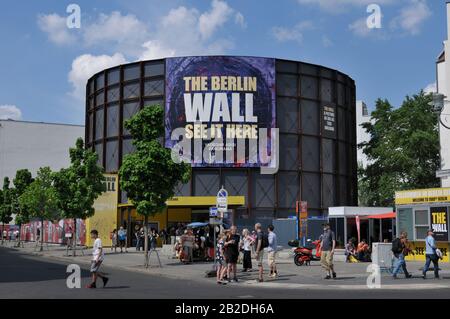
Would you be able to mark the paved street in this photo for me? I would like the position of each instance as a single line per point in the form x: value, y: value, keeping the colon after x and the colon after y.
x: 23, y: 275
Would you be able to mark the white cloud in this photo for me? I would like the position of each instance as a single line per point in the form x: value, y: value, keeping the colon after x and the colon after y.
x: 10, y: 112
x: 182, y: 31
x: 56, y: 28
x: 339, y: 6
x: 283, y: 34
x: 412, y: 17
x: 360, y: 28
x: 86, y: 65
x: 125, y: 32
x: 240, y: 20
x: 430, y: 88
x: 211, y: 20
x: 155, y: 50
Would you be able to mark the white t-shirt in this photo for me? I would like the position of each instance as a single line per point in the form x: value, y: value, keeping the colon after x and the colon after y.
x: 96, y: 255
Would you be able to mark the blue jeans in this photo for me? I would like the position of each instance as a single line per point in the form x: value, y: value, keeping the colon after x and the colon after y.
x: 431, y: 258
x: 401, y: 263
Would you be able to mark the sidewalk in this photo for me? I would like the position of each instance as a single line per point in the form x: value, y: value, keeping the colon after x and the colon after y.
x: 350, y: 276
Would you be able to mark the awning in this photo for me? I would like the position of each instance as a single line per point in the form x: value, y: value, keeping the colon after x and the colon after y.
x: 382, y: 216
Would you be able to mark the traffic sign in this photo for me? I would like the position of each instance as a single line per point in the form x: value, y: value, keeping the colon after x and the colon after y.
x: 222, y: 200
x: 213, y: 212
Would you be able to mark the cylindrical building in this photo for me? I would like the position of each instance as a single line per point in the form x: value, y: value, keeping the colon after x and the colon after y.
x: 312, y: 106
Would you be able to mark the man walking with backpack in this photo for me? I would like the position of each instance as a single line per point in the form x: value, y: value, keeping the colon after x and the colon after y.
x: 328, y: 244
x: 261, y: 243
x: 400, y: 249
x: 431, y: 255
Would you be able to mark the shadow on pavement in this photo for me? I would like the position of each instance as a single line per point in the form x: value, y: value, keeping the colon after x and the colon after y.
x: 18, y: 267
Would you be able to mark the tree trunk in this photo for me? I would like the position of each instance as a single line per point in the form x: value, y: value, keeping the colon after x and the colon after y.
x: 41, y: 235
x: 3, y: 229
x: 146, y: 240
x: 74, y: 237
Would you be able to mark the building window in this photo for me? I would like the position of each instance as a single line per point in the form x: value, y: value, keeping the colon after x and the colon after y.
x: 154, y: 87
x: 113, y: 76
x: 112, y: 156
x: 421, y: 223
x: 112, y: 128
x: 99, y: 124
x: 154, y: 69
x: 131, y: 91
x: 131, y: 73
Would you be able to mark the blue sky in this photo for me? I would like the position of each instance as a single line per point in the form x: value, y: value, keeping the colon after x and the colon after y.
x: 45, y: 64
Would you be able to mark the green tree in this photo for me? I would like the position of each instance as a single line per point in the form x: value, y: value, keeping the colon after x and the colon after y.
x: 22, y: 180
x: 6, y: 208
x: 79, y: 185
x: 149, y: 175
x: 403, y: 150
x: 41, y: 198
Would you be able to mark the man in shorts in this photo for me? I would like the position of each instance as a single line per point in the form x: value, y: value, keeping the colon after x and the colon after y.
x: 97, y: 259
x: 259, y: 251
x: 328, y: 244
x: 272, y: 251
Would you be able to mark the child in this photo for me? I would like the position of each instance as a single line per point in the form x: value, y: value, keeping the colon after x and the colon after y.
x: 97, y: 259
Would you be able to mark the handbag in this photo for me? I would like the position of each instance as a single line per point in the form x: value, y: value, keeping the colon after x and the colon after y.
x: 438, y: 253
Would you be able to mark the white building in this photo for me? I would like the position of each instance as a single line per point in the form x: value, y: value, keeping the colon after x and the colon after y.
x: 362, y: 116
x: 33, y: 145
x: 443, y: 87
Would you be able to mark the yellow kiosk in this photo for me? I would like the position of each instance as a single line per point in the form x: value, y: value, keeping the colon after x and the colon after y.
x: 422, y: 209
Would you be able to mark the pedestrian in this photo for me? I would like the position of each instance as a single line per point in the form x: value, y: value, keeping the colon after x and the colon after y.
x: 349, y: 250
x: 431, y: 255
x: 220, y: 259
x: 122, y: 236
x: 187, y: 242
x: 153, y: 239
x: 232, y: 252
x: 247, y: 242
x: 362, y: 251
x: 114, y: 240
x: 401, y: 249
x: 328, y: 244
x: 137, y: 237
x: 97, y: 260
x: 272, y: 251
x: 141, y: 238
x: 261, y: 243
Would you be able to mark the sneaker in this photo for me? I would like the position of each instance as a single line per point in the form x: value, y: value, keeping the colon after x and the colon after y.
x: 394, y: 277
x: 91, y: 286
x: 424, y: 276
x: 259, y: 280
x: 334, y: 275
x: 408, y: 276
x: 327, y: 277
x: 235, y: 279
x: 105, y: 281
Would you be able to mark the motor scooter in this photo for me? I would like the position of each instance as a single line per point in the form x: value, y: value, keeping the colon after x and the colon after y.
x: 303, y: 255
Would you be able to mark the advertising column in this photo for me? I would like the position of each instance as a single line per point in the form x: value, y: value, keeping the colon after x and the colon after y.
x: 105, y: 217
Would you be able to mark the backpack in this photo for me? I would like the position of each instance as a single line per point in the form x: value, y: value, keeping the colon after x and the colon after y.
x: 397, y: 246
x: 264, y: 240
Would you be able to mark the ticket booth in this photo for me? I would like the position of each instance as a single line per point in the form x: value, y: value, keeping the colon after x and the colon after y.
x: 420, y: 210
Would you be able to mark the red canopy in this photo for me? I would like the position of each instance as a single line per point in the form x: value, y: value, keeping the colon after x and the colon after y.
x: 382, y: 216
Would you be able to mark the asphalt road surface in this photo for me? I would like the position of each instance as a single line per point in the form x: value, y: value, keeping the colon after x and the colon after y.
x: 27, y: 276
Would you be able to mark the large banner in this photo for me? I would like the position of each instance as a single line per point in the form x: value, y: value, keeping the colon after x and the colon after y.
x: 220, y: 110
x: 439, y: 222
